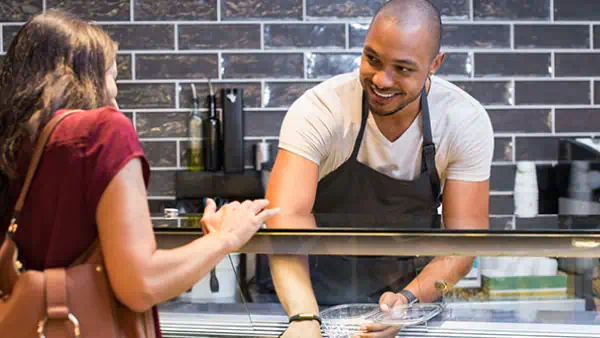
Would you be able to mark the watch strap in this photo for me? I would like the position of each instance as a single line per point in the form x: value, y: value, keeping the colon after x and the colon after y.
x: 410, y: 296
x: 300, y: 317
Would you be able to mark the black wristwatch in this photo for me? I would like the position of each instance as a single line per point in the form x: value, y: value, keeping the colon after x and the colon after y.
x: 412, y: 299
x: 304, y: 317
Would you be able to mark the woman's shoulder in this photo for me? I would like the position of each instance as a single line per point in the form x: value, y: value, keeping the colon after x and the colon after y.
x: 91, y: 125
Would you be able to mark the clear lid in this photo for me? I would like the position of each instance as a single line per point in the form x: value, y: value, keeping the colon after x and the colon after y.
x: 407, y: 315
x: 346, y: 320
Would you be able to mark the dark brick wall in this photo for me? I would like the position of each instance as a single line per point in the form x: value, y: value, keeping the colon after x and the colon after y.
x: 533, y: 64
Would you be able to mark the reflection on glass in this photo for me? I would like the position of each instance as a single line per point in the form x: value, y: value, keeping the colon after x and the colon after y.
x: 503, y: 296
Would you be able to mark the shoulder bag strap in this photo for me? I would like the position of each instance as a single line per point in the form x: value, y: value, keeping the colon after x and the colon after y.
x: 35, y: 160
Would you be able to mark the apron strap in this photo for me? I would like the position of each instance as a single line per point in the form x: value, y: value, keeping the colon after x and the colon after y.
x: 428, y: 152
x: 363, y: 124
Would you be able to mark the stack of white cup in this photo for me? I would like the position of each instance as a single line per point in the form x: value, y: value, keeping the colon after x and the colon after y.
x: 526, y: 196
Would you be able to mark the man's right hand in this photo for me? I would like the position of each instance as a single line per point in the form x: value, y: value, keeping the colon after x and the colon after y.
x: 304, y: 329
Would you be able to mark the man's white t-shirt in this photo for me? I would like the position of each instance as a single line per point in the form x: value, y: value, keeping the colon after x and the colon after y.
x: 323, y: 124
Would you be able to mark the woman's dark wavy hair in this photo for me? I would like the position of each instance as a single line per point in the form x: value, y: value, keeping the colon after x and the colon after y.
x: 56, y: 61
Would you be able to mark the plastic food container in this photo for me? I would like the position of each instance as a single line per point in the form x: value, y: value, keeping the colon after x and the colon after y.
x: 344, y: 321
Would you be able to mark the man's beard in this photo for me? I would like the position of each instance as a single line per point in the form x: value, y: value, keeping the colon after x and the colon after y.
x: 399, y: 108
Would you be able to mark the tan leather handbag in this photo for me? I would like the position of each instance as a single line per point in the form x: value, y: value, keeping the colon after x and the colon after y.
x: 76, y: 301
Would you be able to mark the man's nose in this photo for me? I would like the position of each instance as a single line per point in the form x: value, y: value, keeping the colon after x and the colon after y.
x: 382, y: 79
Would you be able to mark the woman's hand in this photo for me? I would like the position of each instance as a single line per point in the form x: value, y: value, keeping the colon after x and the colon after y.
x: 235, y: 222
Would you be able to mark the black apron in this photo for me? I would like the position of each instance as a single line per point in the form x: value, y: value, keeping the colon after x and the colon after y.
x: 355, y: 195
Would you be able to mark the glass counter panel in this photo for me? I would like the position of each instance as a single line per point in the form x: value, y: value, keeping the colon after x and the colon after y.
x: 501, y: 296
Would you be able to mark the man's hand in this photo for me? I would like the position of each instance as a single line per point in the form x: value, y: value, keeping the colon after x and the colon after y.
x: 387, y: 301
x: 304, y: 329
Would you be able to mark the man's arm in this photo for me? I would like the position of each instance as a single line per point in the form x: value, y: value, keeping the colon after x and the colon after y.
x: 466, y: 199
x: 465, y: 207
x: 292, y: 187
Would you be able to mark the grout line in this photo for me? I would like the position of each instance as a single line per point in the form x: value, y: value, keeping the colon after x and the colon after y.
x: 305, y: 61
x: 218, y: 10
x: 472, y: 54
x: 501, y: 193
x: 512, y: 36
x: 471, y: 11
x: 160, y: 197
x: 553, y: 117
x: 364, y: 21
x: 592, y: 99
x: 133, y: 75
x: 502, y: 163
x: 543, y: 135
x: 161, y: 139
x: 355, y: 50
x: 552, y: 11
x: 262, y: 93
x: 304, y: 18
x: 553, y: 64
x: 134, y: 120
x: 177, y: 93
x: 203, y: 110
x: 513, y: 92
x: 131, y: 10
x: 220, y: 69
x: 542, y: 106
x: 347, y: 27
x: 262, y: 36
x: 514, y: 148
x: 44, y: 6
x: 260, y: 138
x: 592, y: 37
x: 176, y: 36
x: 459, y: 78
x: 178, y: 150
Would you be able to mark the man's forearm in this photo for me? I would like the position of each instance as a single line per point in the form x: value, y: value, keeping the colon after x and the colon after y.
x: 450, y: 269
x: 292, y: 282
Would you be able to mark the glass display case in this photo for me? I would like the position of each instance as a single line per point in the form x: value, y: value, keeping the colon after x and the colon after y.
x: 540, y: 281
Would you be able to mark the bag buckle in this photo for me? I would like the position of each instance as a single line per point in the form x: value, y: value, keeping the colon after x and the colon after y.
x: 71, y: 317
x: 12, y: 228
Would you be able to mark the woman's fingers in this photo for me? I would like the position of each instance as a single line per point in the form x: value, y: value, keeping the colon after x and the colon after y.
x: 266, y: 214
x: 258, y: 205
x: 210, y: 208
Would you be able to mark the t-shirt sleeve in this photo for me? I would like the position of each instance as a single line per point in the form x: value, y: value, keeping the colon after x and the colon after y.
x: 472, y: 149
x: 307, y: 128
x: 112, y: 143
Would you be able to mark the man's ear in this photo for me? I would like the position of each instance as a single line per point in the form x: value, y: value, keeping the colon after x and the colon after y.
x: 437, y: 63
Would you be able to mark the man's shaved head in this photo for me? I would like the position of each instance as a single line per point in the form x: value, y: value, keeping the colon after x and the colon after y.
x: 401, y: 52
x: 414, y: 12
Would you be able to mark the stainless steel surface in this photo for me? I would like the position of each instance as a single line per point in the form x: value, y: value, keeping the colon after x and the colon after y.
x: 406, y: 244
x: 230, y: 320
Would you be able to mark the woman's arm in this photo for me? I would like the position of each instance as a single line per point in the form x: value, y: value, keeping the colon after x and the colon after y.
x: 141, y: 275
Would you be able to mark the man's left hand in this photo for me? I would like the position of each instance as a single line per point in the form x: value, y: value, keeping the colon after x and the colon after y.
x: 373, y: 330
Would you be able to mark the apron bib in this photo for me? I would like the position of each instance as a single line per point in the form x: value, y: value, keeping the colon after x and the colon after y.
x: 355, y: 195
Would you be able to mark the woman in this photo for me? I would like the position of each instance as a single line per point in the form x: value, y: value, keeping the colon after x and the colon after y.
x: 93, y: 176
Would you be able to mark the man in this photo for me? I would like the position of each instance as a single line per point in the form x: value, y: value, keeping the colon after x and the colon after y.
x: 385, y: 141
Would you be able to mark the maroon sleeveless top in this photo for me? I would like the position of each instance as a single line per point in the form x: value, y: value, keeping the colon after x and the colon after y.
x: 58, y: 221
